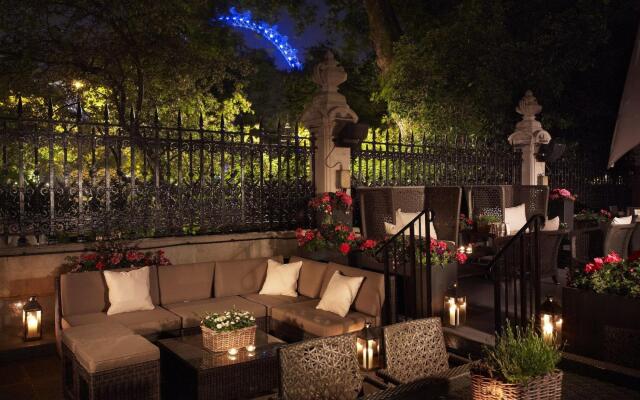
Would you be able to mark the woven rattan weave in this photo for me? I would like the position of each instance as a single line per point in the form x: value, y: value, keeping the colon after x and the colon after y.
x: 223, y: 341
x: 547, y: 387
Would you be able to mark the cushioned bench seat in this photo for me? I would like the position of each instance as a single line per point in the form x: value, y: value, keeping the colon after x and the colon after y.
x: 89, y: 332
x: 115, y: 352
x: 306, y: 317
x: 270, y: 301
x: 140, y: 322
x: 191, y: 312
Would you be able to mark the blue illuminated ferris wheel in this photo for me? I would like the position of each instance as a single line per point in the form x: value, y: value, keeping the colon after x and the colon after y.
x: 270, y: 32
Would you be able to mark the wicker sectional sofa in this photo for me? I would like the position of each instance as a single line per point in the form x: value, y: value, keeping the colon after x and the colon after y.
x: 183, y: 293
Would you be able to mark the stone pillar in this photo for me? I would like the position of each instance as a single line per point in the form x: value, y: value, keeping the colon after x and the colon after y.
x: 327, y: 109
x: 527, y: 137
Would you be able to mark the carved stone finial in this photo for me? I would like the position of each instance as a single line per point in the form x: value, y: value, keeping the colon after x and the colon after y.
x: 528, y: 106
x: 329, y: 74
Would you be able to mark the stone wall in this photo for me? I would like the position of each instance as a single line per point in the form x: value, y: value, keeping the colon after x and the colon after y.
x: 31, y: 270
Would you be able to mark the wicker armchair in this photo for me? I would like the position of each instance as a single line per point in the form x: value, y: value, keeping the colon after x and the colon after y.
x: 588, y: 243
x: 379, y: 204
x: 322, y: 368
x: 415, y: 350
x: 445, y: 201
x: 493, y: 199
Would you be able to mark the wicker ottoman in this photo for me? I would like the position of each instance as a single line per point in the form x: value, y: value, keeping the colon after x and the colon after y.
x: 84, y: 333
x: 122, y: 368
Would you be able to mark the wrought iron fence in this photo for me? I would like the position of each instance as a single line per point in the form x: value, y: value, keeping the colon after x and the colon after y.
x: 584, y: 173
x: 458, y: 161
x: 80, y: 179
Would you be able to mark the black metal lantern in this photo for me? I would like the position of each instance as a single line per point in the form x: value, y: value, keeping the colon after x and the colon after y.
x: 32, y: 319
x: 368, y: 346
x: 551, y: 320
x: 454, y: 312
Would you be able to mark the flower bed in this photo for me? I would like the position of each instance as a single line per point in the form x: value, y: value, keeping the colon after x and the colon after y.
x: 113, y: 255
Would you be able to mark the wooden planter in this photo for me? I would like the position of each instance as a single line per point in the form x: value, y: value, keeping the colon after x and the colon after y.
x: 223, y: 341
x: 545, y: 387
x: 601, y: 326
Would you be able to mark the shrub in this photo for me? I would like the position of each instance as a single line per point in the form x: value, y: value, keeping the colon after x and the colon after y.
x: 520, y: 355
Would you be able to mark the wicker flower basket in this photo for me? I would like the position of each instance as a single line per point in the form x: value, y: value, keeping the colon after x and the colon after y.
x: 223, y: 341
x: 545, y: 387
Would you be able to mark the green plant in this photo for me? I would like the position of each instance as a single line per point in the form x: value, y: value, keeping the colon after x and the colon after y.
x: 609, y: 275
x: 488, y: 219
x: 520, y: 354
x: 228, y: 320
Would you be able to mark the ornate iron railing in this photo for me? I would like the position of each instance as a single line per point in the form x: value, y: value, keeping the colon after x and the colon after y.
x: 79, y: 179
x: 428, y: 161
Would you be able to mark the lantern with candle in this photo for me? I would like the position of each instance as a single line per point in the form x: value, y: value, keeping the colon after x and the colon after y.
x: 368, y: 346
x: 32, y: 319
x: 551, y: 320
x: 455, y: 307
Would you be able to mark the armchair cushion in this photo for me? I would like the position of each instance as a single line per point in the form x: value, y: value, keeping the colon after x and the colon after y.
x: 305, y: 316
x: 190, y: 313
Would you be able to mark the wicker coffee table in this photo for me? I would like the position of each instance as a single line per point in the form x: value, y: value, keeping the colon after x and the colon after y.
x: 189, y: 371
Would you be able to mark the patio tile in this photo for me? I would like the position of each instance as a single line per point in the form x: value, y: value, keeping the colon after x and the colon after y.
x: 20, y: 391
x: 11, y: 374
x: 42, y: 369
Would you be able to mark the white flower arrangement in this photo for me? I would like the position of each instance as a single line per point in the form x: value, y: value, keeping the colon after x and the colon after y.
x: 228, y: 321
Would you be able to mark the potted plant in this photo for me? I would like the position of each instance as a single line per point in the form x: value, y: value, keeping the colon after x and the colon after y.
x: 522, y: 365
x: 466, y: 227
x: 332, y: 242
x: 331, y: 208
x: 232, y: 329
x: 603, y: 298
x: 485, y: 221
x: 561, y: 204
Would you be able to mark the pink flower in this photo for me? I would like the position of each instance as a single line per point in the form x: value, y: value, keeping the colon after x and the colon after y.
x: 461, y: 258
x: 612, y: 257
x: 88, y: 257
x: 564, y: 193
x: 115, y: 259
x: 368, y: 244
x: 100, y: 265
x: 351, y: 237
x: 344, y: 248
x: 131, y: 256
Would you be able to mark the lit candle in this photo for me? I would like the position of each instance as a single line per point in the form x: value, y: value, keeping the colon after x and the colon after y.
x: 32, y: 325
x: 233, y: 351
x: 370, y: 344
x: 469, y: 249
x: 461, y: 249
x: 251, y: 348
x: 452, y: 312
x: 547, y: 328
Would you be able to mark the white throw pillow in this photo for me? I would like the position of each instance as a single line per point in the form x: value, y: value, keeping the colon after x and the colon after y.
x: 552, y: 224
x: 128, y: 291
x: 282, y: 279
x: 515, y: 218
x: 340, y: 294
x: 622, y: 220
x: 403, y: 218
x: 390, y: 229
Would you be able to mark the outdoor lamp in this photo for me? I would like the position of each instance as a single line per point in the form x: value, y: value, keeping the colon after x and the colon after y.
x: 368, y: 346
x: 32, y: 319
x: 455, y: 308
x: 551, y: 320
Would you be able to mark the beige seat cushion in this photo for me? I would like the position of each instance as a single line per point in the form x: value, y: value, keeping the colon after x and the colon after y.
x: 186, y: 282
x: 305, y: 316
x: 86, y: 333
x: 311, y: 275
x: 370, y: 297
x: 148, y: 322
x: 270, y: 301
x: 84, y: 319
x: 111, y: 353
x: 238, y: 277
x: 192, y: 312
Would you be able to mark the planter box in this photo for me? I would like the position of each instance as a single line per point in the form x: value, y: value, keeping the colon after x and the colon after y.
x: 563, y: 208
x: 547, y: 387
x: 602, y: 326
x: 442, y: 278
x: 325, y: 255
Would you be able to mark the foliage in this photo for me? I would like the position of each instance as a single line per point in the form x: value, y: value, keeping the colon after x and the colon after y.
x: 610, y: 275
x: 441, y: 252
x: 486, y: 219
x: 465, y: 223
x: 113, y: 255
x: 600, y: 216
x: 326, y: 203
x: 338, y: 237
x: 228, y: 321
x: 520, y: 354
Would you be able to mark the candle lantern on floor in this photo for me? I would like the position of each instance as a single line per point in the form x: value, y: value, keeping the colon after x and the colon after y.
x: 454, y: 312
x: 368, y: 346
x: 551, y: 320
x: 32, y: 319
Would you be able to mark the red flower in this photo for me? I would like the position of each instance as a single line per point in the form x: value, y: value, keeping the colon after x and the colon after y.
x: 309, y: 235
x: 325, y: 198
x: 88, y: 257
x: 131, y: 256
x: 344, y: 248
x: 115, y: 259
x: 461, y: 258
x: 100, y: 265
x: 612, y: 257
x: 368, y: 244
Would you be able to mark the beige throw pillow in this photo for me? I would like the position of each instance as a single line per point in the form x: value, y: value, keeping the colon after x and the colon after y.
x: 340, y: 293
x: 128, y: 291
x: 515, y: 218
x: 282, y: 279
x: 622, y: 220
x: 552, y: 224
